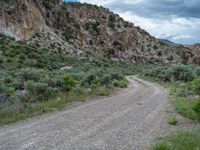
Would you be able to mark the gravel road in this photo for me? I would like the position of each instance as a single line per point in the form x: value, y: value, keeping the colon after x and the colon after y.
x: 130, y: 120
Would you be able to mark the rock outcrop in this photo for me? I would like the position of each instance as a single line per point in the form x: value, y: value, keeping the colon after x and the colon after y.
x: 86, y: 31
x: 21, y: 19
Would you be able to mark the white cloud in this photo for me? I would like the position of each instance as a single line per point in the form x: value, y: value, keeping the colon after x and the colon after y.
x: 175, y: 29
x: 132, y: 2
x: 181, y: 37
x: 98, y: 2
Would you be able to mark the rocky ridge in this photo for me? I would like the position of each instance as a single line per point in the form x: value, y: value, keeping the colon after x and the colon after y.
x: 85, y: 30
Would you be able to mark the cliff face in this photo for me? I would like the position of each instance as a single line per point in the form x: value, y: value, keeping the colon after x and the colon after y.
x: 21, y: 18
x: 86, y: 30
x: 196, y: 50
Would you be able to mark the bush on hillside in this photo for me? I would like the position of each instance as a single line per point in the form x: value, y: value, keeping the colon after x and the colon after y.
x: 31, y: 74
x: 102, y: 91
x: 173, y: 73
x: 120, y: 83
x: 195, y: 85
x: 40, y: 90
x: 68, y: 80
x: 197, y: 71
x: 106, y: 80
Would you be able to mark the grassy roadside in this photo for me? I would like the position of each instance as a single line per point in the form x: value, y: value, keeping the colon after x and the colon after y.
x: 183, y: 83
x: 186, y: 101
x: 182, y: 140
x: 56, y: 104
x: 156, y: 80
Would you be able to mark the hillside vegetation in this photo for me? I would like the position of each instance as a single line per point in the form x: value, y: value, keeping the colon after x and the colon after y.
x: 33, y: 81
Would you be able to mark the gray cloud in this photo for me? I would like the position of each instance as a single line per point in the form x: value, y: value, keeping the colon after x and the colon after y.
x: 160, y: 8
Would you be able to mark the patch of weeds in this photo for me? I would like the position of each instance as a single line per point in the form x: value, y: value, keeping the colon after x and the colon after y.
x: 185, y: 107
x: 161, y: 146
x: 173, y: 121
x: 102, y: 91
x: 182, y: 140
x: 197, y: 108
x: 185, y: 99
x: 120, y: 83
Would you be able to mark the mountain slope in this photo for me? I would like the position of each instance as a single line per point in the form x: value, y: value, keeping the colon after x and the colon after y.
x: 168, y: 42
x: 85, y: 30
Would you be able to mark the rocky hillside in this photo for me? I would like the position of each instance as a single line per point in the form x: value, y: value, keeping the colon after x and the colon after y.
x: 85, y: 31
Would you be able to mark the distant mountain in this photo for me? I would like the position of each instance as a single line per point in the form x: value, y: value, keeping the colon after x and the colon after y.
x: 87, y: 31
x: 168, y: 42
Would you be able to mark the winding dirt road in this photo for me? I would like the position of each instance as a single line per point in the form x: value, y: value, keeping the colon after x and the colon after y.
x: 127, y: 121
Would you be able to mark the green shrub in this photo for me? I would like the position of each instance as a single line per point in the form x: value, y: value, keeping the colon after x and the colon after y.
x: 51, y: 82
x: 31, y: 86
x: 117, y: 76
x: 120, y: 83
x: 8, y: 80
x: 20, y: 61
x: 31, y: 74
x: 106, y: 80
x: 197, y: 108
x: 22, y: 57
x: 111, y: 18
x: 197, y: 71
x: 68, y: 35
x: 89, y: 79
x: 33, y: 55
x: 102, y: 91
x: 173, y: 121
x: 182, y: 90
x: 68, y: 80
x: 95, y: 26
x: 195, y: 85
x: 2, y: 88
x: 80, y: 90
x: 78, y: 76
x: 40, y: 90
x: 7, y: 90
x: 9, y: 60
x: 182, y: 73
x: 173, y: 73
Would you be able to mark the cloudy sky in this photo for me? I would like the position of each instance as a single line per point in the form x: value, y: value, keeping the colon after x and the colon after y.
x: 176, y: 20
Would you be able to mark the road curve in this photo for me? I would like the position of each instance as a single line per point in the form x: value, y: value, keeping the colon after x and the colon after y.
x: 128, y: 121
